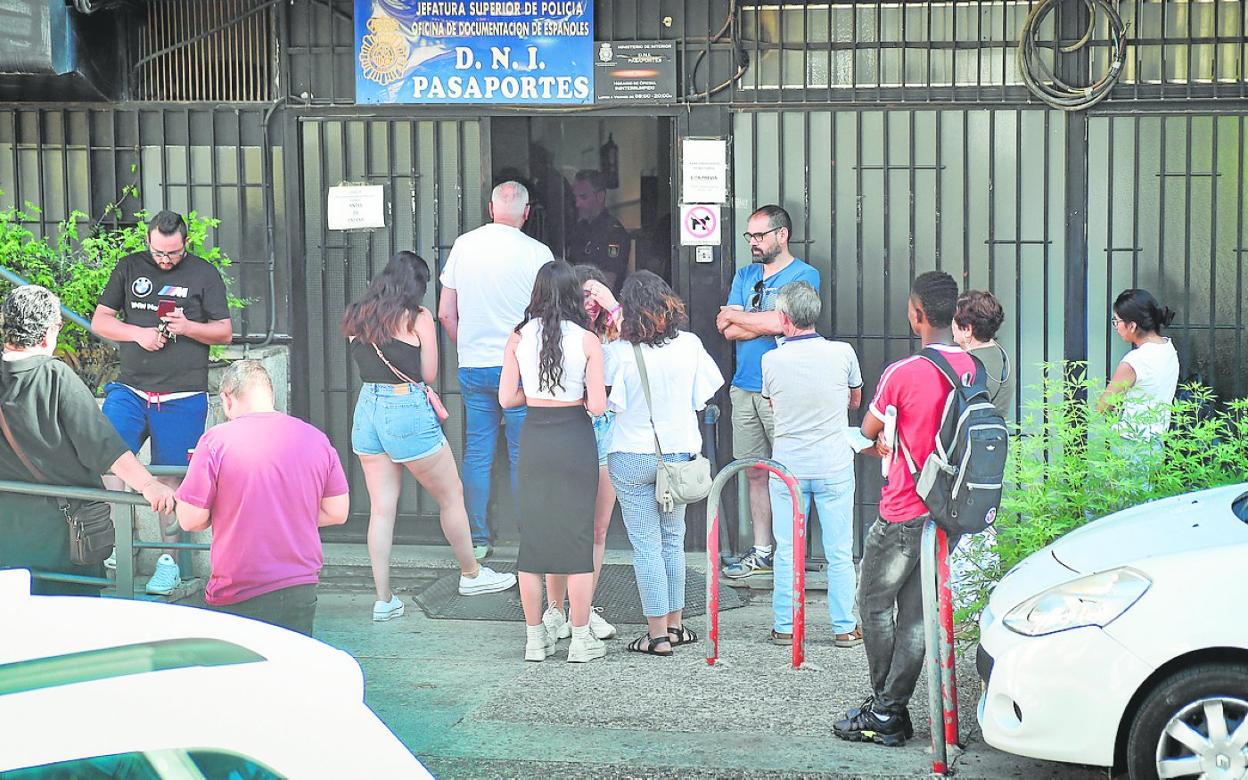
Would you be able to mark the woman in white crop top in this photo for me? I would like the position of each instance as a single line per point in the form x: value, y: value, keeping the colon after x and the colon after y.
x: 554, y: 364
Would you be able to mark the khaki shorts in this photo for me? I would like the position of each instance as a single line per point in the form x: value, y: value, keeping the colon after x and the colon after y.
x: 753, y: 426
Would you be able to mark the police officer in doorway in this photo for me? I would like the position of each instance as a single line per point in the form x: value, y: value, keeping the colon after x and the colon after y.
x: 597, y: 238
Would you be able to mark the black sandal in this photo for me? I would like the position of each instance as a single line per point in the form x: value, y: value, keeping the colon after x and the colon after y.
x: 684, y: 635
x: 646, y: 644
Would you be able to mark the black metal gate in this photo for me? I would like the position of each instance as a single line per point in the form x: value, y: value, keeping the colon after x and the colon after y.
x: 432, y: 175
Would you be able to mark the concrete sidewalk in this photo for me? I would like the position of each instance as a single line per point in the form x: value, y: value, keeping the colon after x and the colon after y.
x: 460, y: 695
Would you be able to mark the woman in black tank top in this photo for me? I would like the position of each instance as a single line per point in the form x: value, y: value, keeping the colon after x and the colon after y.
x: 394, y: 344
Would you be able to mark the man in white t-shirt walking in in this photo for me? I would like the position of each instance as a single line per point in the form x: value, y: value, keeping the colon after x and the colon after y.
x: 486, y: 285
x: 812, y: 384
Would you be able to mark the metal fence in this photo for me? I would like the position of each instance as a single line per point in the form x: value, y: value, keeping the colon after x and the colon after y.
x: 186, y: 158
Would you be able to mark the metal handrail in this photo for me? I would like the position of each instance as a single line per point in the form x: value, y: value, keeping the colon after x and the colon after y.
x: 712, y: 554
x: 942, y: 686
x: 126, y: 543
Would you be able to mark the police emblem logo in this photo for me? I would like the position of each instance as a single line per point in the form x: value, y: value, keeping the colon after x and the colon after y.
x: 613, y: 250
x: 384, y: 51
x: 605, y: 53
x: 141, y: 287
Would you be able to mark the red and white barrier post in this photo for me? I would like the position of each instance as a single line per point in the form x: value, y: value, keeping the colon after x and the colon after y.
x: 942, y: 687
x: 712, y: 554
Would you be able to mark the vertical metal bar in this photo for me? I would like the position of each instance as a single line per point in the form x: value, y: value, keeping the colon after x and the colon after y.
x: 992, y: 199
x: 1110, y: 242
x: 853, y: 58
x: 1018, y: 393
x: 1187, y: 238
x: 1239, y: 265
x: 1018, y: 244
x: 1213, y: 253
x: 966, y: 196
x: 886, y: 263
x: 327, y: 396
x: 241, y: 183
x: 125, y: 554
x: 948, y: 662
x: 1075, y: 346
x: 910, y: 194
x: 799, y: 568
x: 931, y: 632
x: 979, y: 50
x: 939, y: 186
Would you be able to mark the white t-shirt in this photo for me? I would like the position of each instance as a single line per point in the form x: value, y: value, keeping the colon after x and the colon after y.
x: 683, y: 377
x: 808, y: 381
x: 1145, y: 411
x: 491, y: 269
x: 528, y: 356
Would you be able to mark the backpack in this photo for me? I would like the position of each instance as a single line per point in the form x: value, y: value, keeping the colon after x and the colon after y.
x: 961, y: 481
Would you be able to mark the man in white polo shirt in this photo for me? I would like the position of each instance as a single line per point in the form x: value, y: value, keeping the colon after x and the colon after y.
x: 486, y: 285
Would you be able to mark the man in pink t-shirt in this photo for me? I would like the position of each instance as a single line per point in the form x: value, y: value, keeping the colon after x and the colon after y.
x: 890, y: 560
x: 265, y: 482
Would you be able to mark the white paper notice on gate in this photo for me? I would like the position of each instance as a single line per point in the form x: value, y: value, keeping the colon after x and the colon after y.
x: 356, y: 207
x: 699, y: 225
x: 704, y: 171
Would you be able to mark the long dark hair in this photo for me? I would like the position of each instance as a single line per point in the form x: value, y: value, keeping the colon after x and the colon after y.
x: 557, y: 296
x: 652, y: 313
x: 390, y: 303
x: 1141, y: 308
x: 592, y: 273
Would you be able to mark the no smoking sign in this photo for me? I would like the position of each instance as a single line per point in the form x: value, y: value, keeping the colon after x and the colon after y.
x: 699, y: 225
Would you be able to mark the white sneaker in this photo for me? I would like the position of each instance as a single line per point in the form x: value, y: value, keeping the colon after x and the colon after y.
x: 556, y: 623
x: 585, y: 646
x: 598, y: 625
x: 539, y: 643
x: 386, y: 610
x: 165, y: 578
x: 486, y: 581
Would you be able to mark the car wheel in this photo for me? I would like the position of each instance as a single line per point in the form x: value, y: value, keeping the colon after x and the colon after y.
x: 1193, y: 724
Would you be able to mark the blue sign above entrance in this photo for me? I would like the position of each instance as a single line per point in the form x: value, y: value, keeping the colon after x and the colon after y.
x: 519, y: 52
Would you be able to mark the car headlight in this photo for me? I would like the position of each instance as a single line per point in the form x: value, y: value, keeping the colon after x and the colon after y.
x: 1095, y: 600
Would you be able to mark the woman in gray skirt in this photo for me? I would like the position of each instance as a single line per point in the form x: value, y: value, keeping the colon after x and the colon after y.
x: 554, y: 364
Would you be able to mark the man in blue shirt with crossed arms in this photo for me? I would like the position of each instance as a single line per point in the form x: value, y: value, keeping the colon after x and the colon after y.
x: 750, y: 319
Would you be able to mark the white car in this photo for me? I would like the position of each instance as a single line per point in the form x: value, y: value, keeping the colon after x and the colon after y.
x: 93, y: 687
x: 1125, y: 643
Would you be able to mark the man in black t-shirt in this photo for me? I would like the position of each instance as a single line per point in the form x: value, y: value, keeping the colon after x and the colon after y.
x: 164, y: 308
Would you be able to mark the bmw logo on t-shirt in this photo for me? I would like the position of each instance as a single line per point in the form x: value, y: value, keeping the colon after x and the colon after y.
x: 142, y: 287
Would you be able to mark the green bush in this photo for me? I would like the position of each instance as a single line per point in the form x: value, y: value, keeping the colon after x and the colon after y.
x: 75, y: 262
x: 1068, y: 466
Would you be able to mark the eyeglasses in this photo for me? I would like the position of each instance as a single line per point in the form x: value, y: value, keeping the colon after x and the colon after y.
x: 166, y: 255
x: 1115, y: 321
x: 756, y: 300
x: 755, y: 237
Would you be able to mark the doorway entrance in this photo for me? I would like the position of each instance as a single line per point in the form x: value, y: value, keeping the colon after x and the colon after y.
x: 632, y: 156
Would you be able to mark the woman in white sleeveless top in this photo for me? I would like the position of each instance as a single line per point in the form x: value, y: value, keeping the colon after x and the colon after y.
x: 554, y: 364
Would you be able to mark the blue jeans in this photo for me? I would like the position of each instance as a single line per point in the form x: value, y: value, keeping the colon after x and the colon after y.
x: 482, y: 418
x: 658, y: 537
x: 834, y: 499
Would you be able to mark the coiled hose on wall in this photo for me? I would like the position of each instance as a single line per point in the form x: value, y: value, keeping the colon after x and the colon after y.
x: 1043, y: 81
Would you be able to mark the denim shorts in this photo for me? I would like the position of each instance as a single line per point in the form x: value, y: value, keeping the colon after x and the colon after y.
x: 173, y: 426
x: 602, y: 435
x: 391, y: 422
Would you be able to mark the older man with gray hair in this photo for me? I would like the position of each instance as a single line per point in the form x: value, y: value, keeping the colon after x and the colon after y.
x: 486, y: 285
x: 264, y: 482
x: 812, y: 384
x: 55, y: 433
